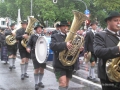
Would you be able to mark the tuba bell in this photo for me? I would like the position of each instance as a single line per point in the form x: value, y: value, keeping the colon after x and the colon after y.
x: 69, y: 57
x: 29, y: 30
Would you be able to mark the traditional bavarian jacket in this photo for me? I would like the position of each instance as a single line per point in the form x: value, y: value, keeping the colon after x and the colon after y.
x: 19, y: 37
x: 31, y: 44
x: 58, y: 44
x: 2, y: 39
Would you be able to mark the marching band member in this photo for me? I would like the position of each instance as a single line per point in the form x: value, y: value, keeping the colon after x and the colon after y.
x: 105, y: 48
x: 20, y: 34
x: 58, y: 44
x: 12, y: 49
x: 57, y: 29
x: 4, y: 55
x: 89, y: 38
x: 38, y: 67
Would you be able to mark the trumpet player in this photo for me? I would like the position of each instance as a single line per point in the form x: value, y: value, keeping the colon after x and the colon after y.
x: 105, y: 48
x: 12, y: 49
x: 20, y: 34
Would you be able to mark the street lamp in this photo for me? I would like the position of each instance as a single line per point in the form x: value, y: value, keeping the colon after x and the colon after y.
x: 83, y: 3
x: 86, y: 12
x: 54, y: 1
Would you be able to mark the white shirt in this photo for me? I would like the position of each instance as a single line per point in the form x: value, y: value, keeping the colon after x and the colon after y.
x: 94, y: 31
x: 37, y: 34
x: 114, y: 32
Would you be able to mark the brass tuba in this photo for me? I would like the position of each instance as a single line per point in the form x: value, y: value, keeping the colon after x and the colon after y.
x: 69, y: 57
x: 113, y: 68
x: 10, y: 39
x: 29, y: 30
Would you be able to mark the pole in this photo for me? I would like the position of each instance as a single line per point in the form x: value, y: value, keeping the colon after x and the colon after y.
x: 31, y: 8
x: 83, y: 3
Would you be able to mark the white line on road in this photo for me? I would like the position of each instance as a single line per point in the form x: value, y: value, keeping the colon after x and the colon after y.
x: 82, y: 79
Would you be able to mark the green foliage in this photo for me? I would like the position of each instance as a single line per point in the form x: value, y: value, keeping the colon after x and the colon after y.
x: 46, y: 10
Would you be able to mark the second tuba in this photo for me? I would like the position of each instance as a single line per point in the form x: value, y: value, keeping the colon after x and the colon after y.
x: 69, y: 57
x: 29, y: 30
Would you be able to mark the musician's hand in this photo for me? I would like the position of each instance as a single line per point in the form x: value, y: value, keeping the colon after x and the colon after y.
x: 25, y: 36
x: 81, y: 49
x: 85, y: 54
x: 69, y: 45
x: 13, y: 34
x: 28, y: 50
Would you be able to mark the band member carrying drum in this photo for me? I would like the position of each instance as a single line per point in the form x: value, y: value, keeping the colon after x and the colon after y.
x: 58, y: 44
x: 12, y: 49
x: 106, y: 48
x: 38, y: 67
x: 20, y: 34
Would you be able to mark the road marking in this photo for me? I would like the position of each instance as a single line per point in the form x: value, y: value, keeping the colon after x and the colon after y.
x: 82, y: 79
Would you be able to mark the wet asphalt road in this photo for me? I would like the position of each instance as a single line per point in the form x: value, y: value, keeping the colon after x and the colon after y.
x: 10, y: 80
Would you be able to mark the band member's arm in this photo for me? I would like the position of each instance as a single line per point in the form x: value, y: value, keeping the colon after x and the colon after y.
x: 57, y: 46
x: 2, y: 39
x: 86, y: 42
x: 29, y: 44
x: 18, y: 35
x: 101, y: 51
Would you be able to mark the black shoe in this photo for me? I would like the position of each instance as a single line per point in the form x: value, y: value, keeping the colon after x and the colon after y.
x: 41, y: 85
x: 22, y: 77
x: 13, y: 67
x: 6, y: 62
x: 10, y: 68
x: 26, y: 75
x: 94, y: 80
x: 36, y: 87
x: 89, y: 78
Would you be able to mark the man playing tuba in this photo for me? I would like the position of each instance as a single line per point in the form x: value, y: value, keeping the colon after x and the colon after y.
x: 58, y: 44
x: 20, y: 34
x: 105, y: 48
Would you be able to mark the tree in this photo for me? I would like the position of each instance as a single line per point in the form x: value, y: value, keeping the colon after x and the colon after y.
x: 46, y: 10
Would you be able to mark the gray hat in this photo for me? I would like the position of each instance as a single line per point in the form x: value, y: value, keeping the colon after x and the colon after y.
x: 111, y: 15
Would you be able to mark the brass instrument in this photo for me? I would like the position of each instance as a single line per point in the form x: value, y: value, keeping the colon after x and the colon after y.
x: 29, y: 30
x: 69, y: 57
x: 113, y: 67
x: 87, y: 59
x: 10, y: 39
